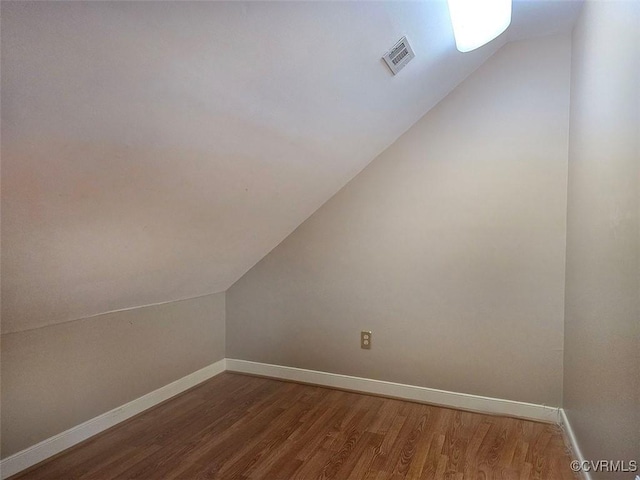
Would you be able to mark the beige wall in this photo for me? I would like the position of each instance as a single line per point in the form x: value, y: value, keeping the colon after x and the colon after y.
x: 602, y: 332
x: 141, y: 165
x: 450, y: 247
x: 59, y: 376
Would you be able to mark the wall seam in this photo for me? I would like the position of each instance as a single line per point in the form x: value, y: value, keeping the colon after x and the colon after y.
x: 112, y: 311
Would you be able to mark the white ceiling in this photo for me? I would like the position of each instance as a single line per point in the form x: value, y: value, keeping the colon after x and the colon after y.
x: 155, y: 151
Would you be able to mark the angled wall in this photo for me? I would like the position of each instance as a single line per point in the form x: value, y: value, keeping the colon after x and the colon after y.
x: 58, y: 376
x: 450, y: 247
x: 602, y: 332
x: 141, y: 164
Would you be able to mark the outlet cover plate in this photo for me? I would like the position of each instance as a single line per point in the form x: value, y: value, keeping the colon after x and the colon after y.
x: 365, y: 339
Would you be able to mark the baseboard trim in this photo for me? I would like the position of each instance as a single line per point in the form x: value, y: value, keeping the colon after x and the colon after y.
x: 56, y: 444
x: 462, y: 401
x: 52, y: 446
x: 570, y: 439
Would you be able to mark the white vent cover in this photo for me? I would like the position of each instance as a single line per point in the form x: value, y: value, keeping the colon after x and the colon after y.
x: 399, y: 55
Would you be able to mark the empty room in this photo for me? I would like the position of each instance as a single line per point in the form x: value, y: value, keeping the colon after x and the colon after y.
x: 320, y: 240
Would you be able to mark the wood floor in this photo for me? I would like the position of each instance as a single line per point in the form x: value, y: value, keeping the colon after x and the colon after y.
x: 241, y: 427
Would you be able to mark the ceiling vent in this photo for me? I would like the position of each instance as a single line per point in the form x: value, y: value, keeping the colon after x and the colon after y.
x: 399, y: 55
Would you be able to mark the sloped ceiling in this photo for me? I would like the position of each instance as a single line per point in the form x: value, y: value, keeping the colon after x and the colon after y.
x: 155, y: 151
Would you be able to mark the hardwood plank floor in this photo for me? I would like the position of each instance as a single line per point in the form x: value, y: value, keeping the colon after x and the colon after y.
x: 241, y: 427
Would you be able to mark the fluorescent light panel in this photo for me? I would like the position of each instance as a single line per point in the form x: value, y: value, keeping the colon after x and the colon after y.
x: 476, y: 22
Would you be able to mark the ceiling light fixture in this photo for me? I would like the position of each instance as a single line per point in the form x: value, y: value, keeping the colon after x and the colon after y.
x: 476, y: 22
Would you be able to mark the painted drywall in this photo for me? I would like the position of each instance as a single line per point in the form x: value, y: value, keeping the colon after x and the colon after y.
x: 56, y: 377
x: 155, y: 151
x: 602, y: 329
x: 450, y: 247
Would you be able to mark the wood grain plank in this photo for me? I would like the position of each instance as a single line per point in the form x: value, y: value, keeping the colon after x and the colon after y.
x: 241, y: 427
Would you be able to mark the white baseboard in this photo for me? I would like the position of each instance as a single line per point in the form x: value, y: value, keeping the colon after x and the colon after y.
x: 570, y: 438
x: 56, y: 444
x: 476, y: 403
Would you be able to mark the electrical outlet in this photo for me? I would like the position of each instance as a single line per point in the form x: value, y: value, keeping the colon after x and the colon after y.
x: 365, y: 339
